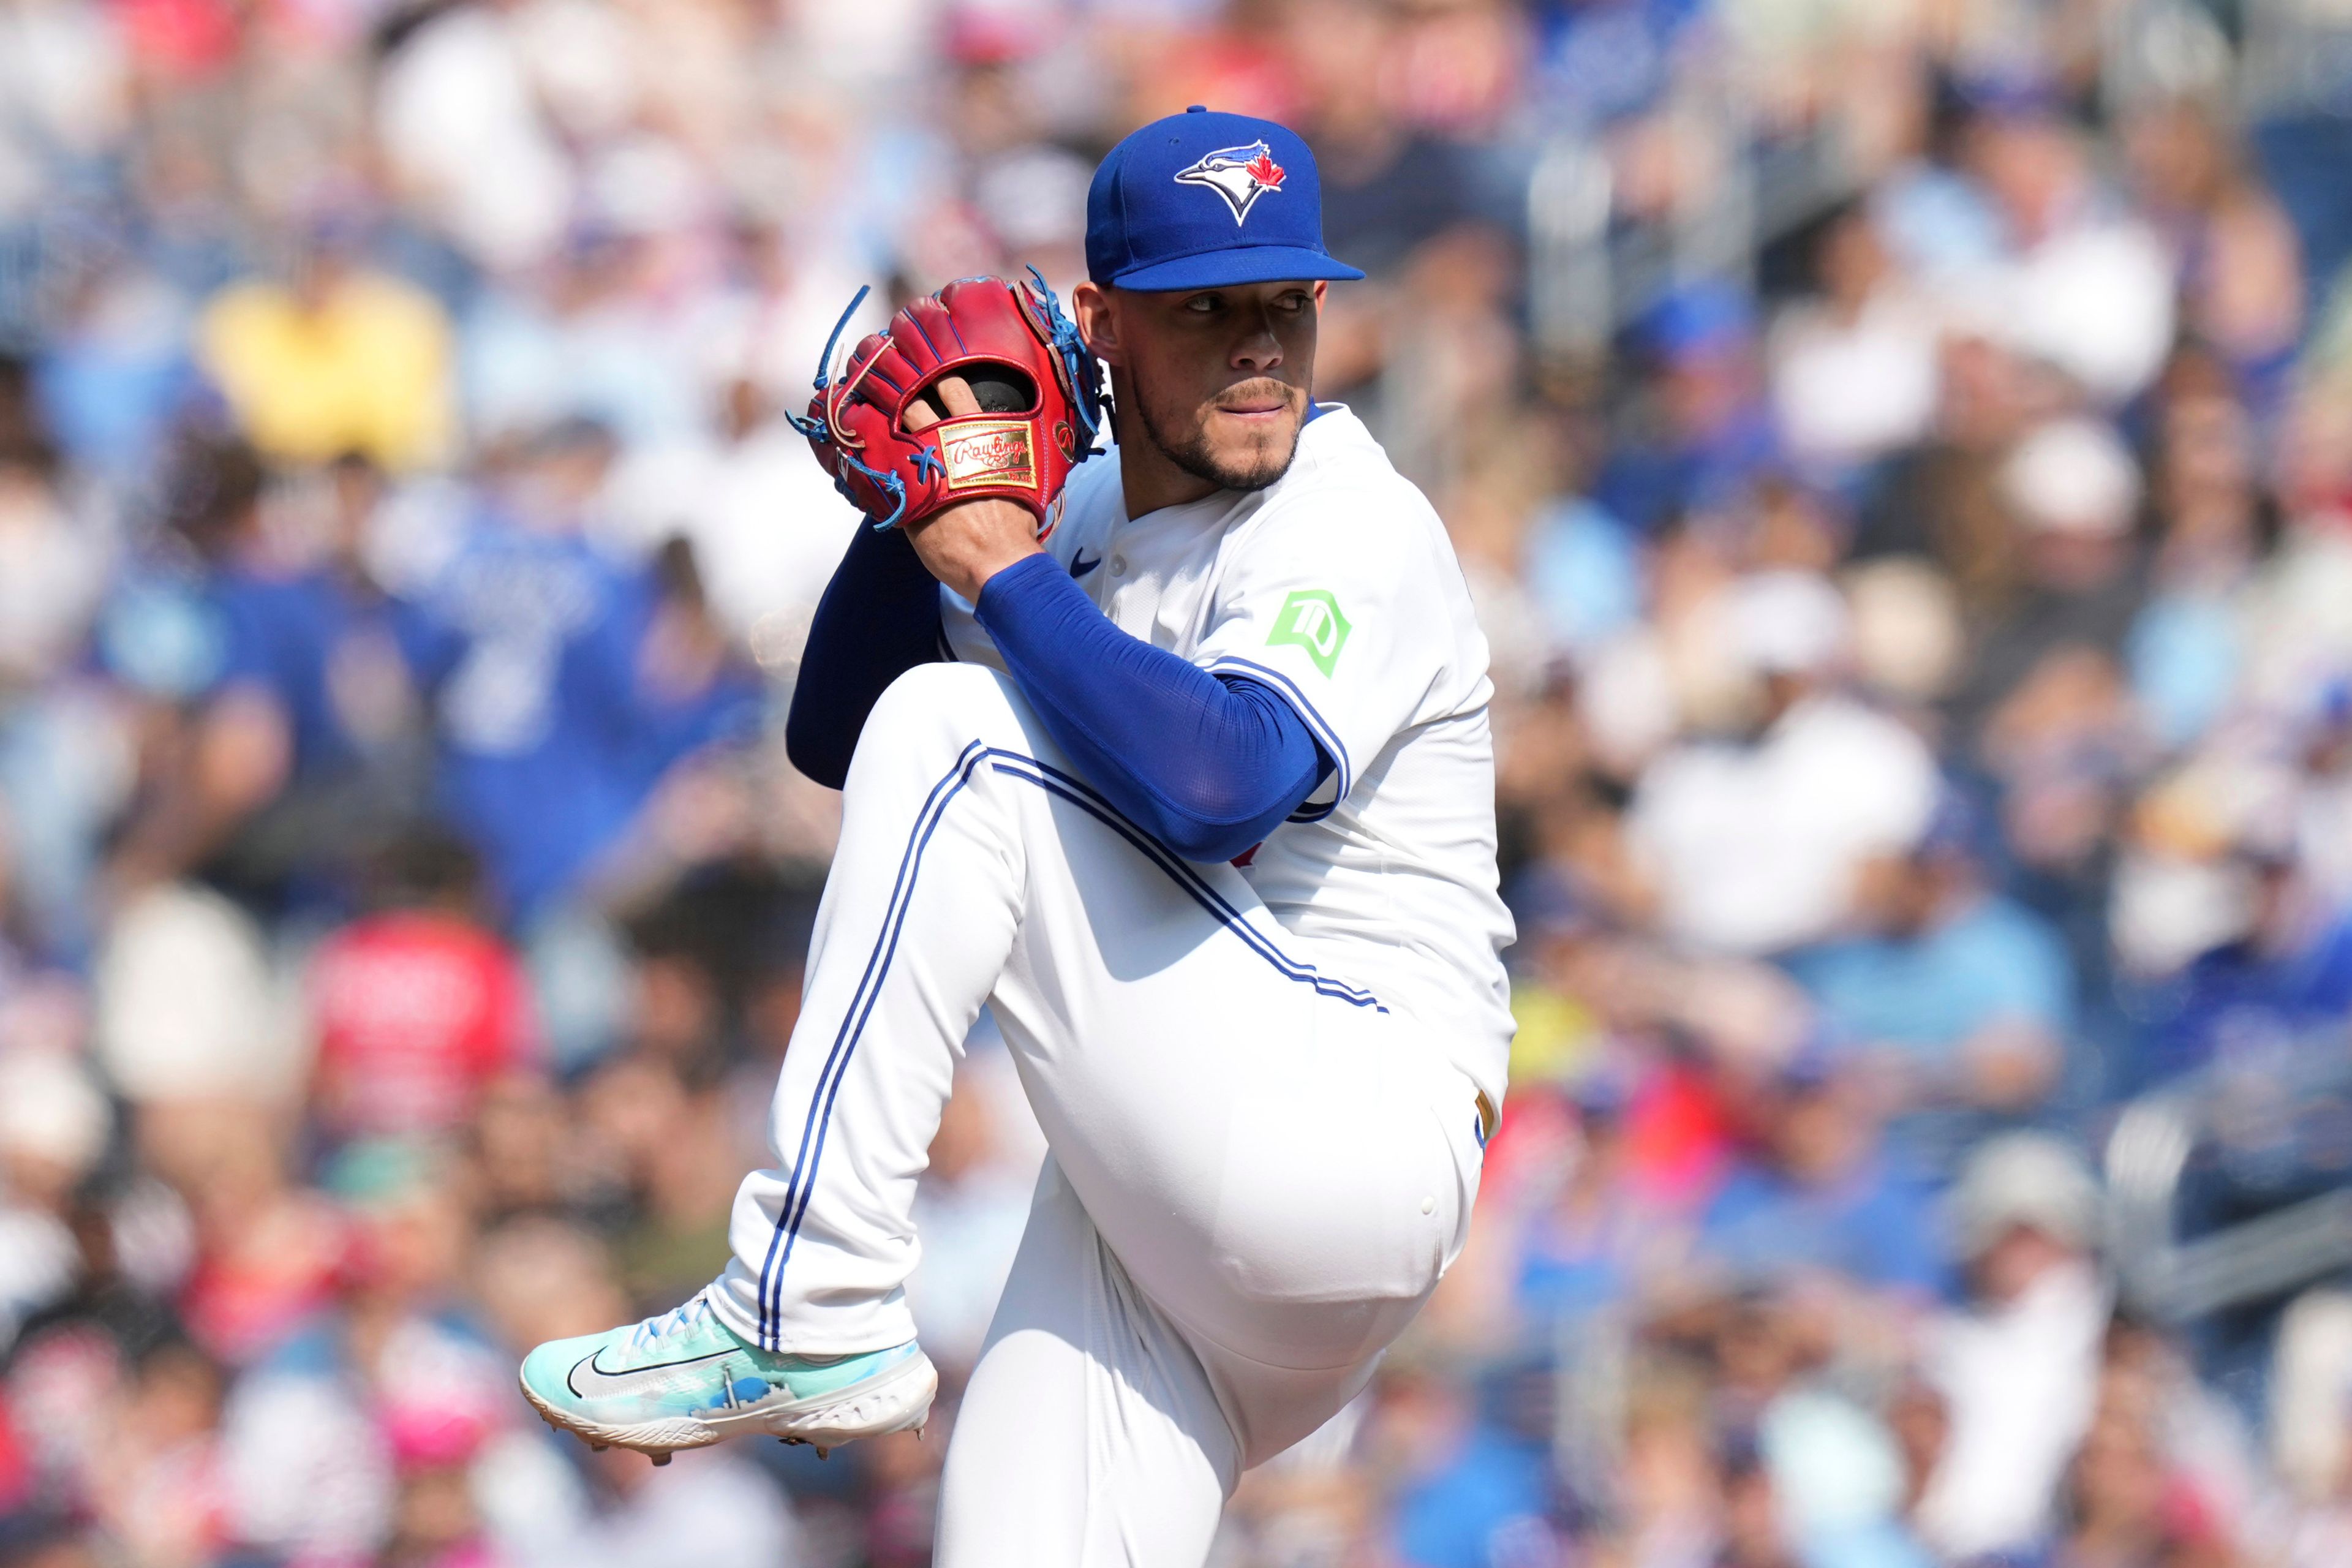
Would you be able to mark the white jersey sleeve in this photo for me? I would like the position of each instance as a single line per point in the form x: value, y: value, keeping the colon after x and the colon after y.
x: 1334, y: 601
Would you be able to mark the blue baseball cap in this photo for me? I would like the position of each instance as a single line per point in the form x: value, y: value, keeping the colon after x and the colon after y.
x: 1198, y: 200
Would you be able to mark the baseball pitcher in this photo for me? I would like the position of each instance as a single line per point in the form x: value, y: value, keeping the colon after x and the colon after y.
x: 1175, y: 755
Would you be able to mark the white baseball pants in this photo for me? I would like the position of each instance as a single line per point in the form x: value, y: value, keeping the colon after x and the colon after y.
x: 1257, y: 1174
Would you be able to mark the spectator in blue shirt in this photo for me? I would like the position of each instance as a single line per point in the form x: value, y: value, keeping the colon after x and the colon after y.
x: 1815, y: 1193
x: 316, y: 638
x: 301, y: 742
x: 1581, y: 1252
x: 1476, y: 1486
x: 564, y: 682
x: 1704, y: 434
x: 1962, y: 999
x: 2284, y: 983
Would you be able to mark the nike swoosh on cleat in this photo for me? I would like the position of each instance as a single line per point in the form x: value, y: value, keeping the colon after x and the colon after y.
x: 1080, y: 565
x: 589, y: 1381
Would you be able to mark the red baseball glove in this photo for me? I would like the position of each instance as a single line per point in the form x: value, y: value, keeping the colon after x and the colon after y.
x: 1038, y: 388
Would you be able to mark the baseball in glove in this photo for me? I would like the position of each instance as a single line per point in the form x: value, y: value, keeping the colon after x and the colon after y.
x: 1039, y: 394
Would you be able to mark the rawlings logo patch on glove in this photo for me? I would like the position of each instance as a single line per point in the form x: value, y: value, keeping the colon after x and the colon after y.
x: 1038, y: 390
x: 984, y: 453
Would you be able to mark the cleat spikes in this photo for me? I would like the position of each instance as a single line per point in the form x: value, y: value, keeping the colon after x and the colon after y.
x: 659, y: 1459
x: 823, y: 1452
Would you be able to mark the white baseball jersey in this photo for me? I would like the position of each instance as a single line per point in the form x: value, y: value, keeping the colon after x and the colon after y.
x: 1337, y: 586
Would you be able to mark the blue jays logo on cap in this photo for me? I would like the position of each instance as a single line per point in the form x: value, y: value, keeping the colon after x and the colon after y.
x: 1240, y: 174
x: 1150, y: 226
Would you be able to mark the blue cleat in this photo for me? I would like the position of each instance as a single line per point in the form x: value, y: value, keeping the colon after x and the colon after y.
x: 682, y: 1380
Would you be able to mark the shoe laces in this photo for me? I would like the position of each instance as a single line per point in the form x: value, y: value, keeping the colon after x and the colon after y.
x: 696, y: 1309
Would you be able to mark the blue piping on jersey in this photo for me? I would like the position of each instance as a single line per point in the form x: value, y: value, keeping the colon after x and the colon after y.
x: 801, y: 1184
x: 1053, y: 781
x: 845, y: 1041
x: 1315, y: 723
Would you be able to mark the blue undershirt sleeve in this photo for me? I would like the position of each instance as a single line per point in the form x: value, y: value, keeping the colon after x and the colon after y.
x: 879, y: 619
x: 1208, y: 765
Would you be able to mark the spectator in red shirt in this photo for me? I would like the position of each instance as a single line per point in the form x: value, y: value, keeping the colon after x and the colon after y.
x: 418, y: 1007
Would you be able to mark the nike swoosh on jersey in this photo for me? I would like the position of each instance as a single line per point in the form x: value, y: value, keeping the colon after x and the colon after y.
x: 590, y: 1380
x: 1080, y: 565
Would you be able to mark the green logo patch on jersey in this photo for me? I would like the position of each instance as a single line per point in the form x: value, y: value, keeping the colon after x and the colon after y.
x: 1310, y: 619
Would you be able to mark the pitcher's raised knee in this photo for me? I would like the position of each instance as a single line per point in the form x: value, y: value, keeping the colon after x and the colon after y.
x: 935, y: 710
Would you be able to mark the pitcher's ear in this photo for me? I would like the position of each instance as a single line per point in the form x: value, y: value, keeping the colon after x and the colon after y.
x: 1095, y: 311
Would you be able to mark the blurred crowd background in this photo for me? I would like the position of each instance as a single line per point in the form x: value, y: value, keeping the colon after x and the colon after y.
x: 1902, y: 450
